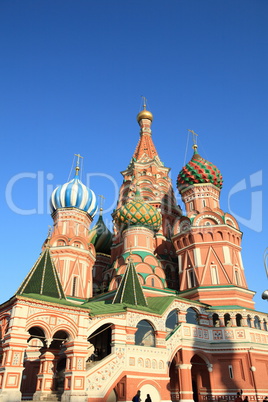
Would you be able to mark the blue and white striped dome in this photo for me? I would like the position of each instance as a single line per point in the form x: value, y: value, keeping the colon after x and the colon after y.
x: 74, y: 194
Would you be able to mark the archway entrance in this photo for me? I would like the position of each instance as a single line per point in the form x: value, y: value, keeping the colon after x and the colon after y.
x: 152, y: 391
x: 35, y: 345
x: 200, y: 378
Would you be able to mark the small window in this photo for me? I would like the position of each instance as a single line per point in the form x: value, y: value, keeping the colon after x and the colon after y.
x: 214, y: 275
x: 249, y: 321
x: 265, y: 325
x: 257, y: 322
x: 237, y: 278
x: 74, y: 286
x: 238, y: 319
x: 216, y: 320
x: 204, y: 203
x: 231, y: 374
x: 227, y: 320
x: 191, y: 278
x: 152, y: 282
x: 191, y: 205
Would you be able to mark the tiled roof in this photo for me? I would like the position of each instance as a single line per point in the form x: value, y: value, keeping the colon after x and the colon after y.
x: 199, y: 170
x: 129, y: 290
x: 43, y: 278
x: 101, y: 237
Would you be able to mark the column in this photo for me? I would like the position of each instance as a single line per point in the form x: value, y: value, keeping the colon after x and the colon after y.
x: 185, y: 381
x: 45, y: 378
x: 75, y: 373
x: 12, y: 368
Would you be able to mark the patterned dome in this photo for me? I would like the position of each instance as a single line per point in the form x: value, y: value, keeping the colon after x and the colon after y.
x: 74, y: 194
x: 101, y: 237
x: 138, y: 213
x: 198, y: 171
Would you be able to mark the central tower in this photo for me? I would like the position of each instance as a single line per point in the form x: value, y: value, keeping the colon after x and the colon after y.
x: 147, y: 174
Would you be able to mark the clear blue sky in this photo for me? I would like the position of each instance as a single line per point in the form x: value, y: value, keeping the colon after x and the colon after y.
x: 71, y: 78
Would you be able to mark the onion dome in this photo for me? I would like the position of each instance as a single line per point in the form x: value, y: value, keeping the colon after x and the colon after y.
x: 138, y: 212
x: 74, y: 194
x: 101, y: 237
x: 144, y: 114
x: 199, y: 171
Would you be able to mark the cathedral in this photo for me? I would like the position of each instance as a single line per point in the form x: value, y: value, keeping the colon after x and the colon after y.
x: 160, y: 305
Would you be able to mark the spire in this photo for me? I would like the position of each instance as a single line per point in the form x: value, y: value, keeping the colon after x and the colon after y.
x: 101, y: 237
x: 130, y: 290
x: 145, y: 149
x: 43, y: 278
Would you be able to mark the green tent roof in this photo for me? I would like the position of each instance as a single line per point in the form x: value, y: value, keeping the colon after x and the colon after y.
x: 43, y: 278
x: 129, y: 290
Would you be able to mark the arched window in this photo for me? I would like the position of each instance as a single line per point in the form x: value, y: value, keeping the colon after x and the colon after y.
x: 227, y: 320
x: 59, y: 338
x: 264, y: 325
x: 237, y: 278
x: 216, y: 320
x: 144, y: 335
x: 37, y: 333
x: 238, y: 319
x: 172, y: 320
x: 191, y: 278
x: 192, y: 316
x: 257, y: 322
x: 249, y: 321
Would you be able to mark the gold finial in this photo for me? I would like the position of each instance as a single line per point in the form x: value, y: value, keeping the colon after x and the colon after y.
x: 102, y: 198
x: 195, y: 135
x: 48, y: 236
x: 77, y: 168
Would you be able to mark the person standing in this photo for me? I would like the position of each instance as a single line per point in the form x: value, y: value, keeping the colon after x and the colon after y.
x: 148, y: 399
x: 238, y: 397
x: 137, y: 397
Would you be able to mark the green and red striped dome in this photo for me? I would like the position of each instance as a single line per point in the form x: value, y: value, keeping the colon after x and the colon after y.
x: 199, y: 171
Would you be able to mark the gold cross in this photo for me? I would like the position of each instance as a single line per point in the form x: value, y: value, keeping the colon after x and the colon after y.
x: 144, y: 102
x: 78, y: 156
x: 194, y: 136
x: 102, y: 198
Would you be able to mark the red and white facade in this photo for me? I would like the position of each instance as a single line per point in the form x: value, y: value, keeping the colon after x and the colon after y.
x: 197, y: 339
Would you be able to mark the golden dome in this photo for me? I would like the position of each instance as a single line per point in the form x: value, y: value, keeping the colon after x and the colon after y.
x: 145, y: 114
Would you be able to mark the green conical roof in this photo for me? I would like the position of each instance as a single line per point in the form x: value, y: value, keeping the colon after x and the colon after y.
x: 43, y: 278
x: 101, y: 237
x: 130, y: 290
